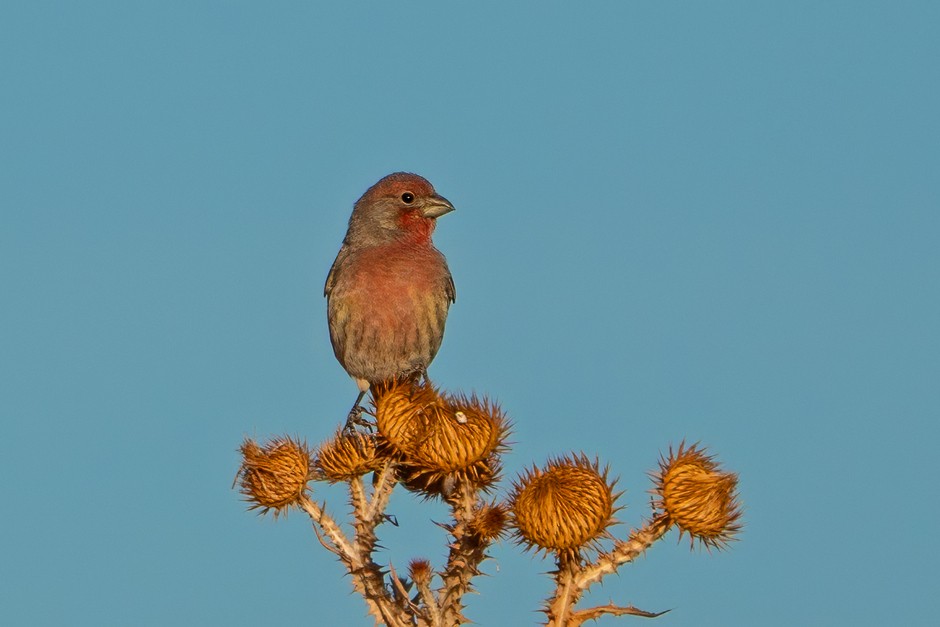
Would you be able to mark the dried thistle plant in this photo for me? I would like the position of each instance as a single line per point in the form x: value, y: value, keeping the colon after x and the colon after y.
x: 348, y: 456
x: 441, y: 441
x: 448, y: 447
x: 274, y: 477
x: 565, y: 507
x: 698, y: 497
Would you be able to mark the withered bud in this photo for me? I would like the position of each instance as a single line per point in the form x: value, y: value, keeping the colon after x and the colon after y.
x: 347, y: 456
x: 698, y: 496
x: 420, y: 571
x: 489, y: 521
x: 274, y: 476
x: 564, y: 507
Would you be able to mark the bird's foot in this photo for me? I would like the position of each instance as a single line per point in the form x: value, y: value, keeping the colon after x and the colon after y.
x: 355, y: 419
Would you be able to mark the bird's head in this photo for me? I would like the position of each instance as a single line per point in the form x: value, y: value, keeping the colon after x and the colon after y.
x: 401, y: 206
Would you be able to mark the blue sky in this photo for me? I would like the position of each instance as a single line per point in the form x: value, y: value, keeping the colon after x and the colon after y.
x: 716, y: 222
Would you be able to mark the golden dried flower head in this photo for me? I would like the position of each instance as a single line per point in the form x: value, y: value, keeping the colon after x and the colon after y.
x: 274, y: 476
x: 399, y: 406
x: 563, y: 507
x: 441, y: 440
x: 347, y: 456
x: 489, y: 521
x: 698, y: 497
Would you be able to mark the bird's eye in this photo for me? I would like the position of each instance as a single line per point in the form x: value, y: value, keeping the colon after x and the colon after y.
x: 407, y: 198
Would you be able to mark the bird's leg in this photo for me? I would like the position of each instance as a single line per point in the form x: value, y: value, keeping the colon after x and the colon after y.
x: 354, y: 418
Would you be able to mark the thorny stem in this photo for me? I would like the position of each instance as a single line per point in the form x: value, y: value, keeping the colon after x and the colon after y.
x: 399, y: 590
x: 338, y: 542
x: 366, y: 575
x: 466, y: 552
x: 430, y: 603
x: 368, y: 512
x: 637, y: 544
x: 357, y: 497
x: 382, y: 490
x: 593, y: 613
x: 566, y: 592
x: 573, y: 578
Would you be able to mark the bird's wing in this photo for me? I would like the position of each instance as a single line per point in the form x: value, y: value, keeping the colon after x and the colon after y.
x: 331, y: 277
x: 449, y: 288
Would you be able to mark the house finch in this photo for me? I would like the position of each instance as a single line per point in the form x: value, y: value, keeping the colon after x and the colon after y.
x: 389, y: 289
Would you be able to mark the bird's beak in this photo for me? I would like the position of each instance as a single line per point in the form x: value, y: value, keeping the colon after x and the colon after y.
x: 436, y: 206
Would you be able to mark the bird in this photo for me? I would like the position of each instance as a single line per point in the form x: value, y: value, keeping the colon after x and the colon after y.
x: 389, y: 290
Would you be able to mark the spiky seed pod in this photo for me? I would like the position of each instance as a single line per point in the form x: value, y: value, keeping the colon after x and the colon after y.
x: 489, y: 521
x: 442, y: 439
x: 347, y: 456
x: 274, y: 477
x: 564, y: 507
x: 460, y: 432
x: 698, y: 496
x: 399, y: 410
x: 459, y: 441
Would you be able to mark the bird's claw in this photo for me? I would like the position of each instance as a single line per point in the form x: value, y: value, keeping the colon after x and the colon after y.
x: 355, y: 419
